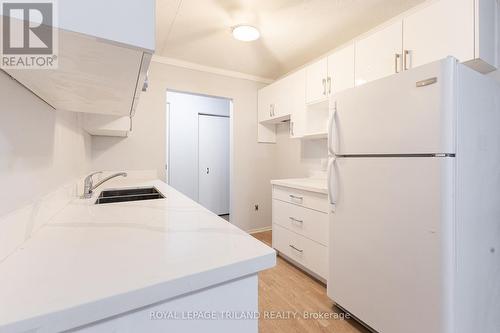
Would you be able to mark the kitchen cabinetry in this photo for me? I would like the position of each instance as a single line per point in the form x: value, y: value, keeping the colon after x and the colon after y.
x: 379, y: 54
x: 300, y: 228
x: 464, y: 29
x: 102, y: 61
x: 297, y: 99
x: 341, y: 69
x: 317, y: 81
x: 330, y: 75
x: 279, y: 102
x: 274, y: 102
x: 106, y: 125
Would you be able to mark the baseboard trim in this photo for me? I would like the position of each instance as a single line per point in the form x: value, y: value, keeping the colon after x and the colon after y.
x: 256, y: 231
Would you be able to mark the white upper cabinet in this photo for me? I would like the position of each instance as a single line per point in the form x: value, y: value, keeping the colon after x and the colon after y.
x: 465, y: 29
x: 329, y: 75
x: 274, y: 102
x: 103, y: 56
x: 265, y: 106
x: 297, y: 97
x: 438, y: 31
x: 316, y: 81
x: 341, y: 69
x: 279, y: 102
x: 379, y: 54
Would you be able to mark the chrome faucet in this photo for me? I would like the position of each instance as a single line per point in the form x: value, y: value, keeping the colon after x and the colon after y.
x: 89, y: 183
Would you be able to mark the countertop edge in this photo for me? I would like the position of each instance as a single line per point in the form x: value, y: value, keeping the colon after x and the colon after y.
x: 132, y: 301
x: 310, y: 188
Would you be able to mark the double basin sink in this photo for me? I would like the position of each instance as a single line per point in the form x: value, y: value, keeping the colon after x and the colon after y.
x: 132, y: 194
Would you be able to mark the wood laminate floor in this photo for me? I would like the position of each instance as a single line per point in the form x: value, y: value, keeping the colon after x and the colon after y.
x: 287, y: 294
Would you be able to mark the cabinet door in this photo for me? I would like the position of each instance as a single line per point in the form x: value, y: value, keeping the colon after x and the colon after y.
x: 265, y: 133
x: 297, y: 96
x: 316, y: 81
x: 341, y: 69
x: 280, y: 98
x: 264, y: 103
x: 376, y: 55
x: 442, y: 29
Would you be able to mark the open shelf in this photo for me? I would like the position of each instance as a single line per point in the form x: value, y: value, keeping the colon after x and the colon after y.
x: 315, y: 136
x: 319, y: 105
x: 276, y: 120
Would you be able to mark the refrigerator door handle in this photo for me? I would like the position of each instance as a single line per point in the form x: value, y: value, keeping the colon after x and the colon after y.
x: 332, y: 182
x: 332, y: 126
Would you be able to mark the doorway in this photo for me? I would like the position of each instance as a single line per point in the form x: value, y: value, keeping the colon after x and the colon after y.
x: 198, y: 149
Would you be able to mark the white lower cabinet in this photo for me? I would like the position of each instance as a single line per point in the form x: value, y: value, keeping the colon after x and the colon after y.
x: 300, y: 233
x: 306, y: 222
x: 309, y: 254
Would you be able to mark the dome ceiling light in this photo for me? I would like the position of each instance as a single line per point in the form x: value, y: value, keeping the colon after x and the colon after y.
x: 246, y: 33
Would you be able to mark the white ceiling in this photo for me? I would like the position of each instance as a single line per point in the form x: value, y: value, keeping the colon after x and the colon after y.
x: 293, y: 32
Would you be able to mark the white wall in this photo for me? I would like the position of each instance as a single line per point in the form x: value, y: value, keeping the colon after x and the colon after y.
x: 295, y: 158
x: 40, y: 149
x: 182, y: 123
x: 145, y: 147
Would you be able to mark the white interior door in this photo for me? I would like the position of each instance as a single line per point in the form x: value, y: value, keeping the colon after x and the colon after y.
x: 213, y: 163
x: 387, y: 241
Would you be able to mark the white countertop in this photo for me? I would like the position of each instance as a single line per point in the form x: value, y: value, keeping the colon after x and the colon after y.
x: 91, y: 262
x: 318, y: 185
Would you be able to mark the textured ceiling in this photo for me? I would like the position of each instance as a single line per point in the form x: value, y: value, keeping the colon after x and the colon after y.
x: 293, y: 32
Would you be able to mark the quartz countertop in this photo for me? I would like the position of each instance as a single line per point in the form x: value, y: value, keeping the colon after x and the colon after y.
x: 318, y: 185
x: 91, y: 262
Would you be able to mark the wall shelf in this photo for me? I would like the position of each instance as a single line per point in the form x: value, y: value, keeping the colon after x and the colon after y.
x: 276, y: 120
x: 315, y: 136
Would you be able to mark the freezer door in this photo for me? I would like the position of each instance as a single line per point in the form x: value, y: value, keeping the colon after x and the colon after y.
x: 407, y: 113
x: 390, y: 241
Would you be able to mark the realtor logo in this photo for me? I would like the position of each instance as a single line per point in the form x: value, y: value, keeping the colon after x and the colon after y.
x: 28, y: 36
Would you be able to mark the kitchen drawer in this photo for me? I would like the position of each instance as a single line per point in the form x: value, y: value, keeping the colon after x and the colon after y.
x: 304, y: 221
x: 313, y: 200
x: 304, y: 251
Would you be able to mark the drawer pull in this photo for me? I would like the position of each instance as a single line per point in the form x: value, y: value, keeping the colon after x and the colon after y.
x: 296, y: 249
x: 296, y: 197
x: 293, y: 219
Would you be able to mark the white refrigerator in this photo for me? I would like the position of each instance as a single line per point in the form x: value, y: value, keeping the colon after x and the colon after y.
x: 414, y: 187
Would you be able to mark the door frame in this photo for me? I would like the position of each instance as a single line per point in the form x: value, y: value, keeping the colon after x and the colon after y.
x: 231, y: 140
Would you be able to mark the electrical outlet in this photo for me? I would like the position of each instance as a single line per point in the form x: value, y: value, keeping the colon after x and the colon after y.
x: 256, y: 207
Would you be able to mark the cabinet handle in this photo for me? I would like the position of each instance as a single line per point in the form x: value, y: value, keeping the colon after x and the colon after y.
x: 291, y: 128
x: 270, y: 110
x: 397, y: 56
x: 293, y: 219
x: 296, y: 197
x: 296, y: 249
x: 324, y: 87
x: 329, y: 81
x: 407, y: 63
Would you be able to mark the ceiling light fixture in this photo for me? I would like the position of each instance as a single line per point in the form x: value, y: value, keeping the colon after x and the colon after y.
x: 246, y: 33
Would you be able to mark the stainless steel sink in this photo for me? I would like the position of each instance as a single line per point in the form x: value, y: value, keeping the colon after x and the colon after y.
x: 129, y: 194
